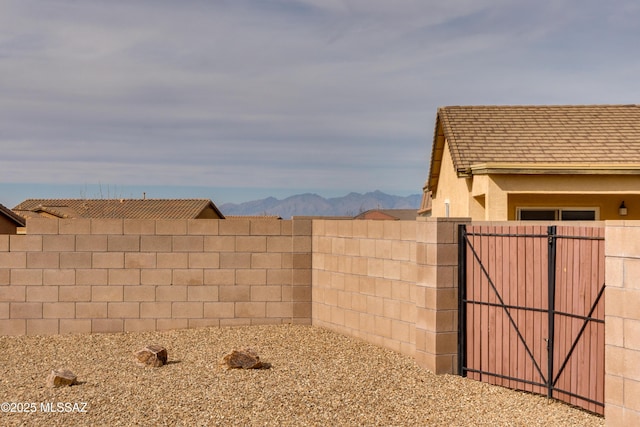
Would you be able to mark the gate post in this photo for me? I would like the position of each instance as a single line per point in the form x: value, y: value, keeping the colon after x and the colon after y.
x: 437, y: 293
x: 551, y: 274
x: 462, y: 296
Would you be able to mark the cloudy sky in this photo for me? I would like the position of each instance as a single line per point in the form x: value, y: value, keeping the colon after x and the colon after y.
x: 236, y: 100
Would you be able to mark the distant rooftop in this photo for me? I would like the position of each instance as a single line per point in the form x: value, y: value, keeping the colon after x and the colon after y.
x: 119, y: 208
x: 389, y: 214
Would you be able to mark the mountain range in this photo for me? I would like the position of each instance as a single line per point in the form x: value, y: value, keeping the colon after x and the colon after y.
x: 309, y: 204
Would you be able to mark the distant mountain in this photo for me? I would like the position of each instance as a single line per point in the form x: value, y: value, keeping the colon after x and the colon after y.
x: 312, y: 204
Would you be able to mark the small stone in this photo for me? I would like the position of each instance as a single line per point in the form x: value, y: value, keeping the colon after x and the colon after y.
x: 244, y: 359
x: 61, y: 378
x: 152, y: 355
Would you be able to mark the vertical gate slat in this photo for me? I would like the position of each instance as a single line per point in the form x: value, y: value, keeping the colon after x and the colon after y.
x: 579, y: 285
x: 476, y: 316
x: 562, y: 327
x: 576, y: 306
x: 520, y: 366
x: 593, y: 350
x: 495, y: 339
x: 528, y: 301
x: 496, y: 253
x: 506, y: 327
x: 593, y: 330
x: 484, y: 311
x: 514, y: 344
x: 599, y: 314
x: 588, y: 298
x: 541, y: 301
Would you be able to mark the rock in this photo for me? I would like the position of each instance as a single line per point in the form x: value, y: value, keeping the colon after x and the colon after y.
x: 245, y: 359
x: 152, y: 355
x: 61, y: 378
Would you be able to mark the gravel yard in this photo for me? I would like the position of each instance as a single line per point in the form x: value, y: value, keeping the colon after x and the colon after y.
x: 317, y: 377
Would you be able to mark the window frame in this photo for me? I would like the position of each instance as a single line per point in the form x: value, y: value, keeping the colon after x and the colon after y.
x: 558, y: 212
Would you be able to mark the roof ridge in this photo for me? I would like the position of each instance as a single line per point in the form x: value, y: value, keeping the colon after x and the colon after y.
x: 539, y: 106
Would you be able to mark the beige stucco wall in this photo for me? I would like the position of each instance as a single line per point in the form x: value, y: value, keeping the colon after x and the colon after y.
x: 452, y: 188
x: 495, y: 197
x: 607, y: 204
x: 7, y: 226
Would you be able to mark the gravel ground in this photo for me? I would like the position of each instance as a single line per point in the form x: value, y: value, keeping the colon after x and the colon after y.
x: 317, y: 377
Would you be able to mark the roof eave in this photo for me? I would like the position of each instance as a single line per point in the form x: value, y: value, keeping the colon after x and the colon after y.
x: 552, y: 168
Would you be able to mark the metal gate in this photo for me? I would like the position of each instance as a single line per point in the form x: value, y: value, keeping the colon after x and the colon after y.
x: 532, y: 310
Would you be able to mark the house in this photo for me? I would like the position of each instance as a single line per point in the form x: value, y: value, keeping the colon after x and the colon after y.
x: 119, y: 208
x: 573, y: 162
x: 389, y: 214
x: 10, y: 222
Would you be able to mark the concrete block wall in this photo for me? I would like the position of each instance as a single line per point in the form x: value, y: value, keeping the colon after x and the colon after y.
x: 622, y: 323
x: 113, y: 275
x: 364, y: 275
x: 437, y: 294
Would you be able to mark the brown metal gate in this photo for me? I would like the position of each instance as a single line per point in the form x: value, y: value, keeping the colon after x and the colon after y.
x: 532, y: 310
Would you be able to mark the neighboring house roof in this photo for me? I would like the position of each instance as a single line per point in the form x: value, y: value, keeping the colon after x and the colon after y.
x: 253, y: 217
x: 119, y: 208
x: 12, y: 216
x: 389, y: 214
x: 538, y: 139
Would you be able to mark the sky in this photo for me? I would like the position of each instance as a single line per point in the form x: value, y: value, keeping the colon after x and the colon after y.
x: 237, y: 100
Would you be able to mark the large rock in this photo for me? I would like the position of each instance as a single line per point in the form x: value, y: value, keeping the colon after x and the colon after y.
x: 152, y: 355
x: 244, y: 359
x: 61, y: 378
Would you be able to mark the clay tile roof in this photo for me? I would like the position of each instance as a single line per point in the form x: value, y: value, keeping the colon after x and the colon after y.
x: 118, y: 208
x: 253, y: 217
x: 540, y: 134
x: 389, y: 214
x: 546, y: 134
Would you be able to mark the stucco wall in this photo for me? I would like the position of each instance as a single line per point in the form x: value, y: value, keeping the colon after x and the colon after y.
x: 607, y: 204
x: 495, y: 197
x: 7, y: 226
x: 452, y: 188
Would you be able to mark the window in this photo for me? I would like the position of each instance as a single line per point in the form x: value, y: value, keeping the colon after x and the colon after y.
x: 537, y: 215
x: 578, y: 215
x: 555, y: 214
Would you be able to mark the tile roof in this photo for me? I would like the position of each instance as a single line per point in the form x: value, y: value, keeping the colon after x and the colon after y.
x: 389, y: 214
x: 253, y: 217
x: 117, y: 208
x: 560, y: 138
x: 603, y: 134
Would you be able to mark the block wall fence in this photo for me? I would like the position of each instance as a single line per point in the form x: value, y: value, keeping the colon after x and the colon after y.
x: 391, y: 283
x: 114, y: 275
x: 622, y: 323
